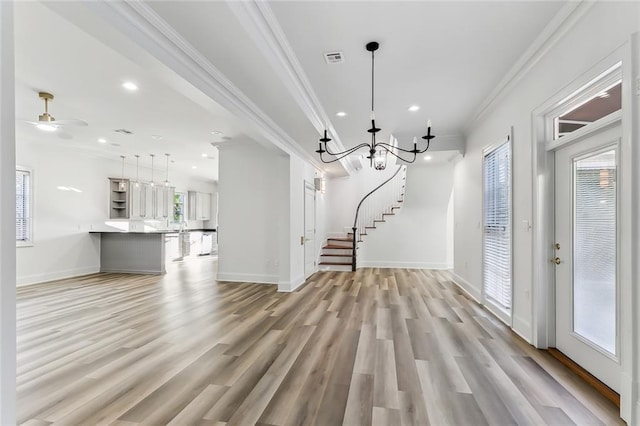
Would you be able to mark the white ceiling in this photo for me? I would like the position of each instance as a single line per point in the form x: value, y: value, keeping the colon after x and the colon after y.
x: 85, y: 76
x: 445, y: 57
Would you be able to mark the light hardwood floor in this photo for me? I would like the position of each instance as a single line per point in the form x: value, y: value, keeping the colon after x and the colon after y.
x: 381, y: 347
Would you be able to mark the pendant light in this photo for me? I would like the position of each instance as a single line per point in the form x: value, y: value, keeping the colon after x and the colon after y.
x: 166, y: 181
x: 122, y: 186
x: 152, y: 183
x: 137, y: 170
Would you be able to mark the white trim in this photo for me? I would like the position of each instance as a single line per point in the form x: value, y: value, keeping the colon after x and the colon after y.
x: 143, y: 25
x: 27, y: 280
x: 520, y: 324
x: 405, y: 265
x: 247, y: 278
x: 467, y: 287
x: 584, y: 132
x: 7, y: 216
x: 261, y: 24
x: 570, y: 14
x: 290, y: 286
x: 498, y: 312
x: 543, y: 168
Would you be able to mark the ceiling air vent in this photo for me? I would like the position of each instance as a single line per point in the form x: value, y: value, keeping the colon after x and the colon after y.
x: 124, y: 131
x: 334, y: 57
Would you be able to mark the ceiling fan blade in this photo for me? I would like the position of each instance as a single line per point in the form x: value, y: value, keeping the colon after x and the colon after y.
x: 77, y: 123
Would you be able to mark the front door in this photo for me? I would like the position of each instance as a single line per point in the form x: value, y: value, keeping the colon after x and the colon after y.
x: 309, y: 229
x: 586, y: 250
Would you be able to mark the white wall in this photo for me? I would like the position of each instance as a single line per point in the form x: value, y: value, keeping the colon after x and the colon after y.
x: 416, y: 237
x: 62, y: 246
x: 578, y: 51
x: 343, y: 195
x: 253, y: 202
x: 603, y: 29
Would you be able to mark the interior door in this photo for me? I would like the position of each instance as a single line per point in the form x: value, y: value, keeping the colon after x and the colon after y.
x: 309, y: 229
x: 586, y: 249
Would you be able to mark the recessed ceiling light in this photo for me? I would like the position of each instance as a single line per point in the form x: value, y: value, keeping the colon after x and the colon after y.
x: 194, y: 167
x: 156, y: 137
x: 130, y: 85
x: 204, y: 155
x: 216, y: 133
x: 102, y: 140
x: 47, y: 127
x: 414, y: 108
x: 341, y: 114
x: 427, y: 158
x: 63, y: 188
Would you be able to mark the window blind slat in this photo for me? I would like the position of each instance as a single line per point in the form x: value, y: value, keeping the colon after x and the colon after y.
x: 497, y: 225
x: 23, y: 208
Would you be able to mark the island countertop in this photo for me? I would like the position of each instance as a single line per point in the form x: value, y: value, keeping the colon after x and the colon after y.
x: 159, y: 231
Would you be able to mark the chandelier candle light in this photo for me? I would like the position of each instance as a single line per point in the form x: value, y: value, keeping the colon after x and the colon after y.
x: 377, y: 150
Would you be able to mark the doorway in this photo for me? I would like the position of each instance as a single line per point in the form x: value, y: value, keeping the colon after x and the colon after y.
x: 309, y: 229
x: 586, y: 253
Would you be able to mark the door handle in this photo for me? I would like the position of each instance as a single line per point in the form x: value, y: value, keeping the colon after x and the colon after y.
x: 556, y: 260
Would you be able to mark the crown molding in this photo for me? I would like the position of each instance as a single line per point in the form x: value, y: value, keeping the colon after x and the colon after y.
x: 570, y: 14
x: 146, y: 28
x: 259, y: 21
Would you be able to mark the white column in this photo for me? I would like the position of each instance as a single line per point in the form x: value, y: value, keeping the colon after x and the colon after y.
x: 7, y: 219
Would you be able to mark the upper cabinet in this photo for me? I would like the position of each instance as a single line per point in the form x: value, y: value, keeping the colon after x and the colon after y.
x: 199, y: 206
x: 150, y: 202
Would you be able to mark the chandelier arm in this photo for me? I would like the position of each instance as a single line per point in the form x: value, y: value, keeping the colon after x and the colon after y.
x: 408, y: 151
x: 398, y: 156
x: 341, y: 155
x: 347, y: 151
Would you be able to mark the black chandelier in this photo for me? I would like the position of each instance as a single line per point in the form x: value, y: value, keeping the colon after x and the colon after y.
x: 377, y: 150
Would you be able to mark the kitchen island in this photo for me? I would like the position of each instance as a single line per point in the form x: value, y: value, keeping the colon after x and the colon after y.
x: 135, y: 252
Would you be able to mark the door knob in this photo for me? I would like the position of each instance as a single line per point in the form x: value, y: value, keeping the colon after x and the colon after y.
x: 557, y: 246
x: 556, y: 260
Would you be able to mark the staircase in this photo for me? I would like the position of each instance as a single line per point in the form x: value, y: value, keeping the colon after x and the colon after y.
x: 375, y: 208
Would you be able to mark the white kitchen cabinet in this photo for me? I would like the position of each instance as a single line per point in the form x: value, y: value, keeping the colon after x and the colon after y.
x: 199, y: 207
x: 163, y: 206
x: 151, y: 202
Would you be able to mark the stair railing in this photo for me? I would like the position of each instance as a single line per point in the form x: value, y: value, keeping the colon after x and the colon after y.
x: 379, y: 201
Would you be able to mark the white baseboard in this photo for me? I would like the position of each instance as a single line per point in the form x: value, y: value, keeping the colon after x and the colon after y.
x: 522, y: 328
x: 247, y: 278
x: 405, y: 265
x: 467, y: 287
x: 289, y: 286
x: 58, y: 275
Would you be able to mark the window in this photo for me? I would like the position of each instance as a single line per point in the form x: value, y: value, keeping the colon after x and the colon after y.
x: 497, y: 226
x: 23, y: 206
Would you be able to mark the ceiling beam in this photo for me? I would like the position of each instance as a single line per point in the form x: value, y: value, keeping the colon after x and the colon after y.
x: 259, y: 21
x: 145, y: 27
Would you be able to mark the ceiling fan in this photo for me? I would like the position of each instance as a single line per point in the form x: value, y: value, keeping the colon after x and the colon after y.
x: 46, y: 121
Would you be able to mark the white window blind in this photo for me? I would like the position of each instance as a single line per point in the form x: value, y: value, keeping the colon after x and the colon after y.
x: 23, y: 205
x: 497, y: 225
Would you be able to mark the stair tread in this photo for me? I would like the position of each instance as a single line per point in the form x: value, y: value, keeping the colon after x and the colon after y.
x: 336, y: 263
x: 340, y: 239
x: 333, y: 247
x: 379, y: 220
x: 336, y: 255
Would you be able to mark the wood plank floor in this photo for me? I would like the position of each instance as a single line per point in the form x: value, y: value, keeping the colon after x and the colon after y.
x: 378, y: 347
